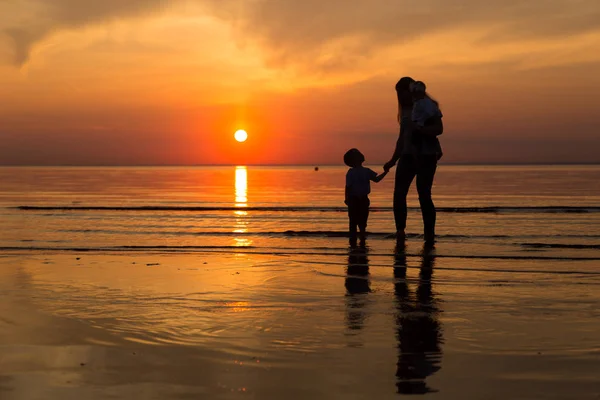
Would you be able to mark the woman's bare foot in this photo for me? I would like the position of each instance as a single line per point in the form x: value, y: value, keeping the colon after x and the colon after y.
x: 429, y: 239
x: 397, y: 235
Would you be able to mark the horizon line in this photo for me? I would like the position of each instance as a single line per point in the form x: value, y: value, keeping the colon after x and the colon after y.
x: 288, y: 165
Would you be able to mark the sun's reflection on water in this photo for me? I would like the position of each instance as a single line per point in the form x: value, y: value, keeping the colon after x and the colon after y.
x: 241, y: 200
x: 238, y: 306
x: 241, y: 186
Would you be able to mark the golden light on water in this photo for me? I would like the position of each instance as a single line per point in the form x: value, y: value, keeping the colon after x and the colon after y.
x: 238, y: 306
x: 240, y: 135
x: 241, y: 200
x: 241, y: 186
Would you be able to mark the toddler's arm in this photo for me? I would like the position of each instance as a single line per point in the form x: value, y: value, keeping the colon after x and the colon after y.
x: 379, y: 177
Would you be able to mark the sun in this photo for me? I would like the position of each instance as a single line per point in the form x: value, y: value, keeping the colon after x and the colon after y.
x: 240, y: 135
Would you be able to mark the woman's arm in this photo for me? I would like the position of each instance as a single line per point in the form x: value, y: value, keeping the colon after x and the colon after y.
x: 397, y: 153
x: 406, y: 99
x: 433, y: 130
x: 399, y: 145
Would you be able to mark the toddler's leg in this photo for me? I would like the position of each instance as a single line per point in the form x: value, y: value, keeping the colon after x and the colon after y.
x: 352, y: 220
x: 363, y: 218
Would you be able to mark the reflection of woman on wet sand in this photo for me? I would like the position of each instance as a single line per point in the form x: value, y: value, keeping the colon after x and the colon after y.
x: 419, y: 331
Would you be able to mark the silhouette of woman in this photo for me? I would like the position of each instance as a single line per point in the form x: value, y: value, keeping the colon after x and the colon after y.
x: 419, y: 331
x: 415, y: 160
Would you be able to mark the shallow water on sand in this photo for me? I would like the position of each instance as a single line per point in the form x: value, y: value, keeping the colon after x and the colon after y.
x: 225, y: 289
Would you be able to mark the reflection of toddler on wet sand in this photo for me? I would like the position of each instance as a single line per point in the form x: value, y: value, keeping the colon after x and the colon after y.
x: 358, y: 187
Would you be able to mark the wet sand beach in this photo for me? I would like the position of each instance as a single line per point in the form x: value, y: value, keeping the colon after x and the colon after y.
x: 365, y: 324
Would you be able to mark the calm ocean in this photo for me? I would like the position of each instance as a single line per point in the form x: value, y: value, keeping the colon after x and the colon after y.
x: 504, y: 211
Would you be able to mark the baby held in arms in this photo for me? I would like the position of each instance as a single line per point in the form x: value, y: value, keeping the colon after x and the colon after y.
x: 425, y: 112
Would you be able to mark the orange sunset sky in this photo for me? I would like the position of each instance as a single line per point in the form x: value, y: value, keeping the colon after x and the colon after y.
x: 113, y: 82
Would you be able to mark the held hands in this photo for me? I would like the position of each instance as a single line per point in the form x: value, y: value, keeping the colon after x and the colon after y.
x: 389, y: 165
x: 379, y: 177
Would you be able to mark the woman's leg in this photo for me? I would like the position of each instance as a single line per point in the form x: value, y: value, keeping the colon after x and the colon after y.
x: 405, y: 173
x: 425, y: 175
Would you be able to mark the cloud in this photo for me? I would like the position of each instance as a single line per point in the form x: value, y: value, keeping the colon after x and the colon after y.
x: 307, y: 31
x: 26, y: 22
x: 22, y: 40
x: 324, y: 35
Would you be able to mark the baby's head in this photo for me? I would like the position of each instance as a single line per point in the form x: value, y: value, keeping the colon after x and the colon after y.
x: 418, y: 89
x: 354, y: 158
